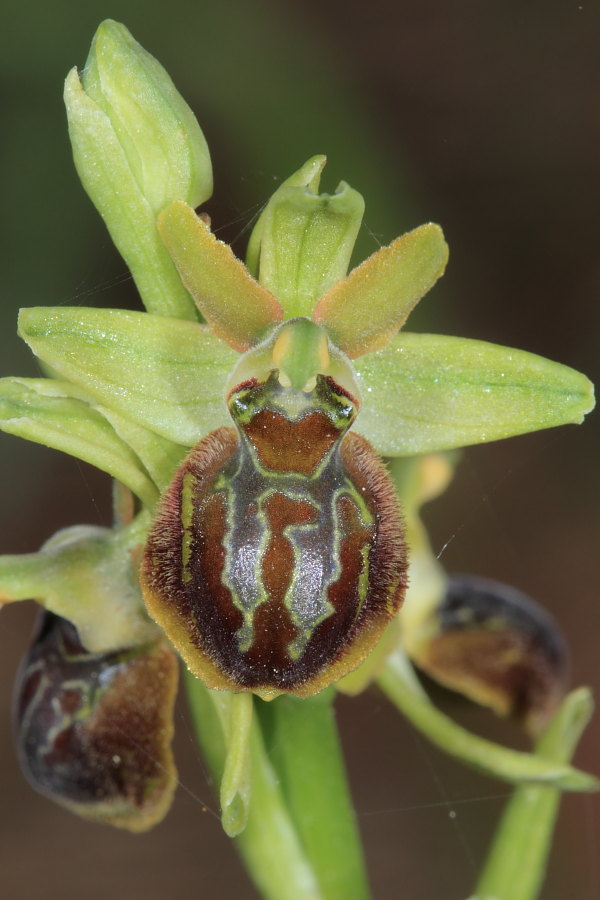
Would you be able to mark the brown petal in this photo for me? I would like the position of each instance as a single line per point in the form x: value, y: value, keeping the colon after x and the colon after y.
x: 496, y: 646
x: 94, y: 731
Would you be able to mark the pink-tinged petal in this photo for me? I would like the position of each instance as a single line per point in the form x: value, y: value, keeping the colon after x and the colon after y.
x: 363, y: 312
x: 236, y: 307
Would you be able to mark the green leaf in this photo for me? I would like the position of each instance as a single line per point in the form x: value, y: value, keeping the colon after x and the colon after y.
x: 363, y: 312
x: 164, y: 374
x: 427, y: 392
x: 236, y: 307
x: 305, y: 750
x: 41, y: 410
x: 106, y: 175
x: 302, y: 243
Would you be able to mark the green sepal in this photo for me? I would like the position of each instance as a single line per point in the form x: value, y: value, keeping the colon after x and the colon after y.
x: 106, y: 175
x: 363, y: 312
x: 159, y: 456
x: 44, y: 411
x: 302, y: 243
x: 86, y: 575
x: 307, y: 176
x: 238, y: 309
x: 163, y: 143
x: 516, y: 865
x: 162, y: 373
x: 425, y: 393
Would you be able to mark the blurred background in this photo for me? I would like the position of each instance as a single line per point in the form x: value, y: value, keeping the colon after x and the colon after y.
x: 484, y: 117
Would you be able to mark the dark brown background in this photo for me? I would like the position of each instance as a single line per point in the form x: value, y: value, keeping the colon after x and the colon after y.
x: 483, y: 117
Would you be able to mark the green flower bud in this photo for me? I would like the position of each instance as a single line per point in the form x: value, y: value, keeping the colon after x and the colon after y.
x: 88, y: 575
x: 163, y: 143
x: 302, y: 243
x: 137, y: 147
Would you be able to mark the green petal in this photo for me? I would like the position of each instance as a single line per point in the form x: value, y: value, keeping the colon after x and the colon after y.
x: 427, y: 392
x: 162, y: 373
x: 236, y: 307
x: 105, y: 173
x: 41, y: 410
x: 363, y: 312
x: 302, y: 243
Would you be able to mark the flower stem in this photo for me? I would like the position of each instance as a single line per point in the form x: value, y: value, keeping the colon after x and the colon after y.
x: 306, y: 752
x: 401, y: 686
x: 516, y: 865
x: 270, y: 845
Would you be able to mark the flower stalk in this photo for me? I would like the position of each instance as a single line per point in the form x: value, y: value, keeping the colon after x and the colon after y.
x: 516, y: 866
x: 269, y: 845
x: 399, y: 683
x: 316, y: 790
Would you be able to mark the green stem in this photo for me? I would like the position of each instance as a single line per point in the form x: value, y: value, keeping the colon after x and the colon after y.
x: 269, y: 845
x: 401, y: 686
x: 516, y: 865
x: 307, y: 755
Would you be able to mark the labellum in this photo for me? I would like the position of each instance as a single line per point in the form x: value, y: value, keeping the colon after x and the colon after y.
x: 496, y: 646
x: 94, y: 730
x: 277, y: 555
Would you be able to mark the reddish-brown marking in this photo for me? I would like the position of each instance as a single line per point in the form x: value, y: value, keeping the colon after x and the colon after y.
x: 286, y: 446
x: 208, y: 562
x: 273, y: 626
